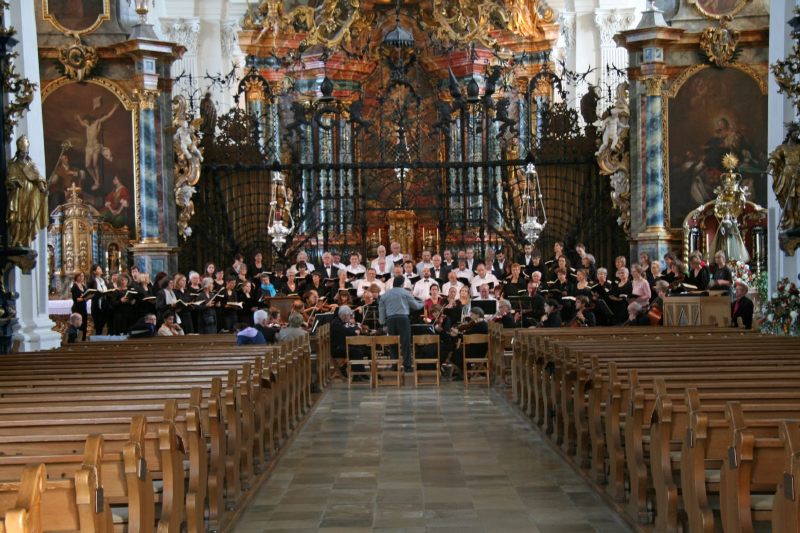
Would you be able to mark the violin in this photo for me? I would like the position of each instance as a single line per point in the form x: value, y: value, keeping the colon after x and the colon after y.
x: 655, y: 314
x: 465, y: 326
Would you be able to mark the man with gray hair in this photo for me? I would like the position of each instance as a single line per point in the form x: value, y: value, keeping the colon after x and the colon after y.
x: 343, y: 325
x: 266, y: 324
x: 294, y: 329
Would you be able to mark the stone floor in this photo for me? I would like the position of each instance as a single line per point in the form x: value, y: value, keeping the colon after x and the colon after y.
x: 423, y: 459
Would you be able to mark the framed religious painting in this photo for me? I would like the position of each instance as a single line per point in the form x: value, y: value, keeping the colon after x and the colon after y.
x: 720, y: 8
x: 89, y: 132
x: 705, y: 121
x: 76, y: 16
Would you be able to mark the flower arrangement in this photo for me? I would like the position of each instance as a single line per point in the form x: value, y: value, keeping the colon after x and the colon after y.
x: 780, y: 313
x: 741, y: 272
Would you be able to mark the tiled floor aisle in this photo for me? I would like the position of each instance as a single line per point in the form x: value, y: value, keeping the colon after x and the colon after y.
x: 423, y: 460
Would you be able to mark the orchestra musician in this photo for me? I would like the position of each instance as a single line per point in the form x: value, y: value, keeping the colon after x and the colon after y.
x: 473, y: 325
x: 268, y: 323
x: 506, y: 315
x: 293, y: 330
x: 655, y: 314
x: 552, y: 314
x: 583, y: 318
x: 343, y: 326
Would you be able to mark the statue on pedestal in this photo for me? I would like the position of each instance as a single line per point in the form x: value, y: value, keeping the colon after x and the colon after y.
x: 27, y: 197
x: 784, y: 165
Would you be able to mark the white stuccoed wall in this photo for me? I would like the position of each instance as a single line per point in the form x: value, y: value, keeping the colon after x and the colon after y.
x: 780, y: 112
x: 34, y: 327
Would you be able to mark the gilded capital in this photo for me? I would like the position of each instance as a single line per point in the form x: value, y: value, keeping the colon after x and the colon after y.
x: 146, y: 98
x: 654, y: 85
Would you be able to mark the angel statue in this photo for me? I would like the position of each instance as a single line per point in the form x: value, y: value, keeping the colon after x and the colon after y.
x: 27, y: 197
x: 611, y: 126
x: 185, y: 141
x: 784, y: 165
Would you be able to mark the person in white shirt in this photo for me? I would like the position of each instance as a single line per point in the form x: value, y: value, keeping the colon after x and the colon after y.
x: 422, y: 288
x: 381, y: 255
x: 382, y: 267
x: 408, y: 270
x: 425, y: 263
x: 485, y: 295
x: 301, y: 257
x: 483, y: 278
x: 355, y: 267
x: 452, y: 281
x: 396, y: 254
x: 367, y: 283
x: 337, y: 261
x: 463, y: 271
x: 398, y: 272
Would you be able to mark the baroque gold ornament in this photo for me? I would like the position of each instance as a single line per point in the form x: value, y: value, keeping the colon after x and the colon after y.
x: 614, y: 155
x: 77, y: 58
x: 27, y: 197
x: 188, y: 160
x: 719, y: 44
x: 784, y: 165
x: 728, y: 206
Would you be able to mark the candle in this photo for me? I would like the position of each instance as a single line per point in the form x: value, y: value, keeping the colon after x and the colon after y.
x: 437, y: 236
x: 379, y: 235
x: 423, y: 236
x: 106, y: 258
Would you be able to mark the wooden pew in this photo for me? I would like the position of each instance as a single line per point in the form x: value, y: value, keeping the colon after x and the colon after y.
x: 786, y: 504
x: 71, y: 504
x: 751, y: 470
x: 20, y: 503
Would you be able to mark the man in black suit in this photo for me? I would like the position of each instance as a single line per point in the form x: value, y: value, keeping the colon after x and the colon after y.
x: 501, y: 268
x: 742, y: 307
x: 439, y: 271
x: 327, y: 268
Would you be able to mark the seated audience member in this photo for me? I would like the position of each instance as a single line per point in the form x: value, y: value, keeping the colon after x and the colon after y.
x: 169, y: 327
x: 144, y: 327
x: 74, y: 329
x: 742, y: 307
x: 293, y: 330
x: 248, y: 335
x: 267, y: 324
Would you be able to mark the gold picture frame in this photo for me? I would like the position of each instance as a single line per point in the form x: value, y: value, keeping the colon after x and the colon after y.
x: 703, y: 7
x: 669, y: 92
x: 129, y: 105
x: 52, y: 17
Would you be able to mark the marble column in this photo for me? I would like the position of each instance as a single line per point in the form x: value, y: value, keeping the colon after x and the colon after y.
x: 609, y: 23
x: 185, y: 32
x: 34, y: 329
x: 654, y: 175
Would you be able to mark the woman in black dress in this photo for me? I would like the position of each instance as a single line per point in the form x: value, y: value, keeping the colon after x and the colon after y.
x: 78, y: 301
x: 183, y: 312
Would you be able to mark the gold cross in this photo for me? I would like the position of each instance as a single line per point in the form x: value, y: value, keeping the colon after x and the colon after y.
x: 73, y: 189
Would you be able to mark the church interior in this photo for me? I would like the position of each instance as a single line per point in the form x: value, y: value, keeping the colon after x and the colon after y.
x: 400, y: 265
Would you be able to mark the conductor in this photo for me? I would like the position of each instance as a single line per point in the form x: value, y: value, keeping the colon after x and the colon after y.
x: 393, y: 310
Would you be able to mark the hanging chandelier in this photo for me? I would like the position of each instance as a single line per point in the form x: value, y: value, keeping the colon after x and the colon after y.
x: 276, y: 229
x: 532, y: 206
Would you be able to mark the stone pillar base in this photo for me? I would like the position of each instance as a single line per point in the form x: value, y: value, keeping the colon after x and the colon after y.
x: 155, y: 257
x: 654, y: 241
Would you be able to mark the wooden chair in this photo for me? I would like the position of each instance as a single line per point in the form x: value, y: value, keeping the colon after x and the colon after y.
x: 480, y: 365
x: 386, y: 366
x: 419, y: 360
x: 367, y: 366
